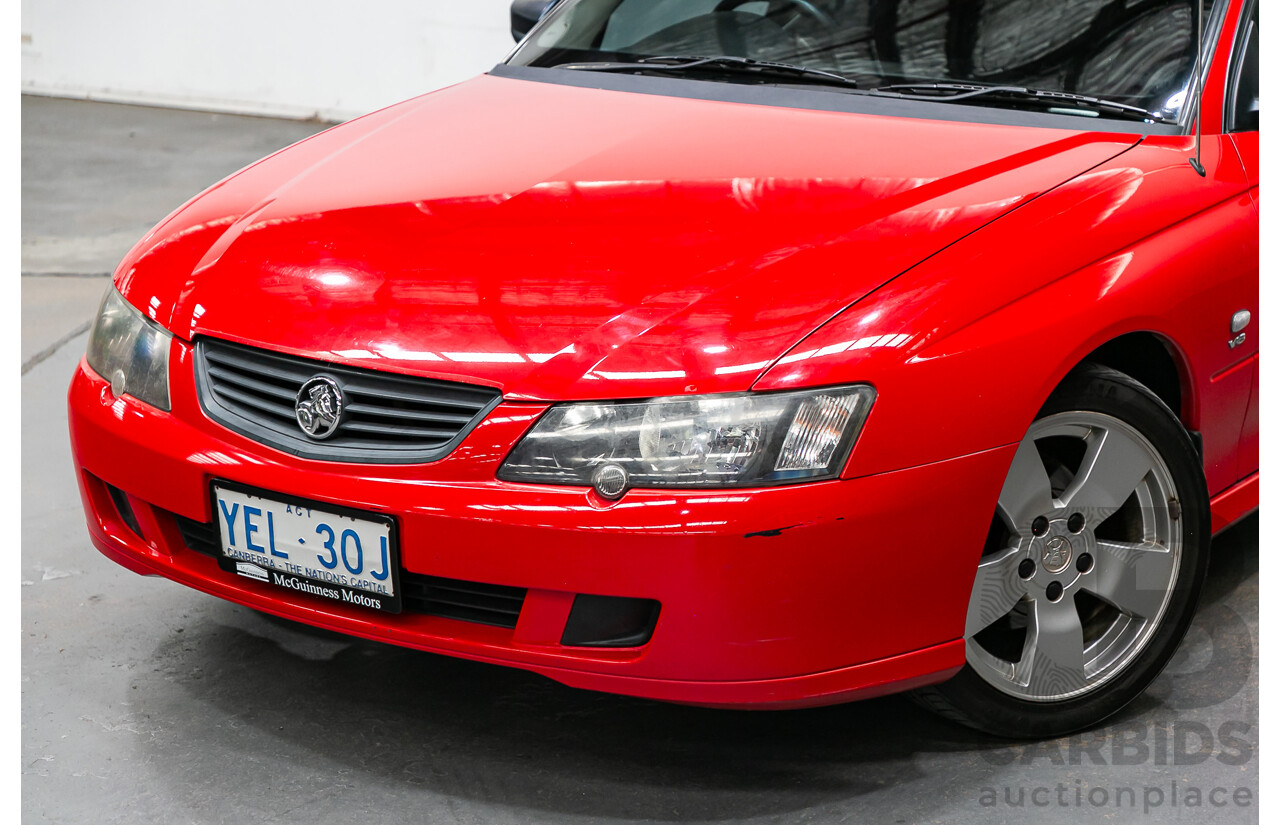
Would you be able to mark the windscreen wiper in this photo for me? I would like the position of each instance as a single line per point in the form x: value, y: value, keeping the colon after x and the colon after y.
x: 953, y: 92
x: 729, y: 63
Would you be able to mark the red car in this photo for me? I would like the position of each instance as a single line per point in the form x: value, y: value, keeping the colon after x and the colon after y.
x: 750, y: 354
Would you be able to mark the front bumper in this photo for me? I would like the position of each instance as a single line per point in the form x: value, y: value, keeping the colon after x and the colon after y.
x: 780, y: 597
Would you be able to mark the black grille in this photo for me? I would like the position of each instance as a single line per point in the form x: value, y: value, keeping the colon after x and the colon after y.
x: 199, y: 536
x: 491, y: 604
x: 386, y: 418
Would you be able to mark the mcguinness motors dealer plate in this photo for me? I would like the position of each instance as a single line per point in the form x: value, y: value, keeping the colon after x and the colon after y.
x: 347, y: 557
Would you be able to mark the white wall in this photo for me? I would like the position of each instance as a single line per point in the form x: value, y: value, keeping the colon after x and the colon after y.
x: 298, y: 58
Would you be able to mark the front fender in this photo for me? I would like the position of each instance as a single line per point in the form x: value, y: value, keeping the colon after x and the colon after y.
x: 964, y: 348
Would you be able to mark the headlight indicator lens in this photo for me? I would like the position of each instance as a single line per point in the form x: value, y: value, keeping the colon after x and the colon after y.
x: 693, y: 442
x: 814, y: 434
x: 129, y: 350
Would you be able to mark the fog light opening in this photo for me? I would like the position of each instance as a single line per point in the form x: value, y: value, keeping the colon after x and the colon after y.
x: 124, y: 508
x: 610, y: 621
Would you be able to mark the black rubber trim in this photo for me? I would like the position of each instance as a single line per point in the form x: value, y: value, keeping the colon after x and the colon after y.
x: 825, y: 100
x: 1235, y: 67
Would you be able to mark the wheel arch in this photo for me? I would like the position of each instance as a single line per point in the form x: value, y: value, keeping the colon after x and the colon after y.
x: 1154, y: 361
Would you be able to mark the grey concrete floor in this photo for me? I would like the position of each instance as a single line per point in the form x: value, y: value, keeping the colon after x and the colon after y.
x: 95, y: 178
x: 144, y: 702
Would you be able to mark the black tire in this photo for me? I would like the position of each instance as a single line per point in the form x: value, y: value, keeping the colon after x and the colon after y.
x: 974, y: 701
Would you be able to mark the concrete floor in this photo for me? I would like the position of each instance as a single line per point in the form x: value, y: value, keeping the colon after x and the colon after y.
x: 144, y: 701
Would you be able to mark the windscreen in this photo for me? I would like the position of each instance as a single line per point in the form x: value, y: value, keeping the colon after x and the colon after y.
x: 1139, y: 53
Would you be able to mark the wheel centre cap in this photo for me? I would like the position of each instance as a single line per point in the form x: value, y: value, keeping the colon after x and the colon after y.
x: 1056, y: 554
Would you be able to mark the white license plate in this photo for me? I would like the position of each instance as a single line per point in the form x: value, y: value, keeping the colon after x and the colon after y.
x: 306, y: 549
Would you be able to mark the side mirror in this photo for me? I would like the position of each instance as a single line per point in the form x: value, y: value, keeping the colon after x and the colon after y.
x: 525, y: 14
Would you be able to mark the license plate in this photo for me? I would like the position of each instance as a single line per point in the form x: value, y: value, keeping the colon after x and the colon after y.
x: 348, y: 557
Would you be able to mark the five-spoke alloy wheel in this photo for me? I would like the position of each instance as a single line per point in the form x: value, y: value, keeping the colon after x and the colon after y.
x: 1092, y: 567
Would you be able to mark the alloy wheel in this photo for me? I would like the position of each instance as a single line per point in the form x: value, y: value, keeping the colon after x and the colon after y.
x: 1081, y: 560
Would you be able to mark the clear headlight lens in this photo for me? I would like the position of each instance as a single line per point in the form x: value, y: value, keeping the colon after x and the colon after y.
x: 696, y: 441
x: 129, y: 350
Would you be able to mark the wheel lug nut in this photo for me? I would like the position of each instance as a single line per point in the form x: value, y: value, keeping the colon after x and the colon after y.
x: 1084, y: 563
x: 1054, y: 591
x: 1027, y: 568
x: 1040, y: 526
x: 1076, y: 523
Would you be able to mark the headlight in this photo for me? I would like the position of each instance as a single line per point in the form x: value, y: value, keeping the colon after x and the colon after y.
x: 698, y: 441
x: 130, y: 351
